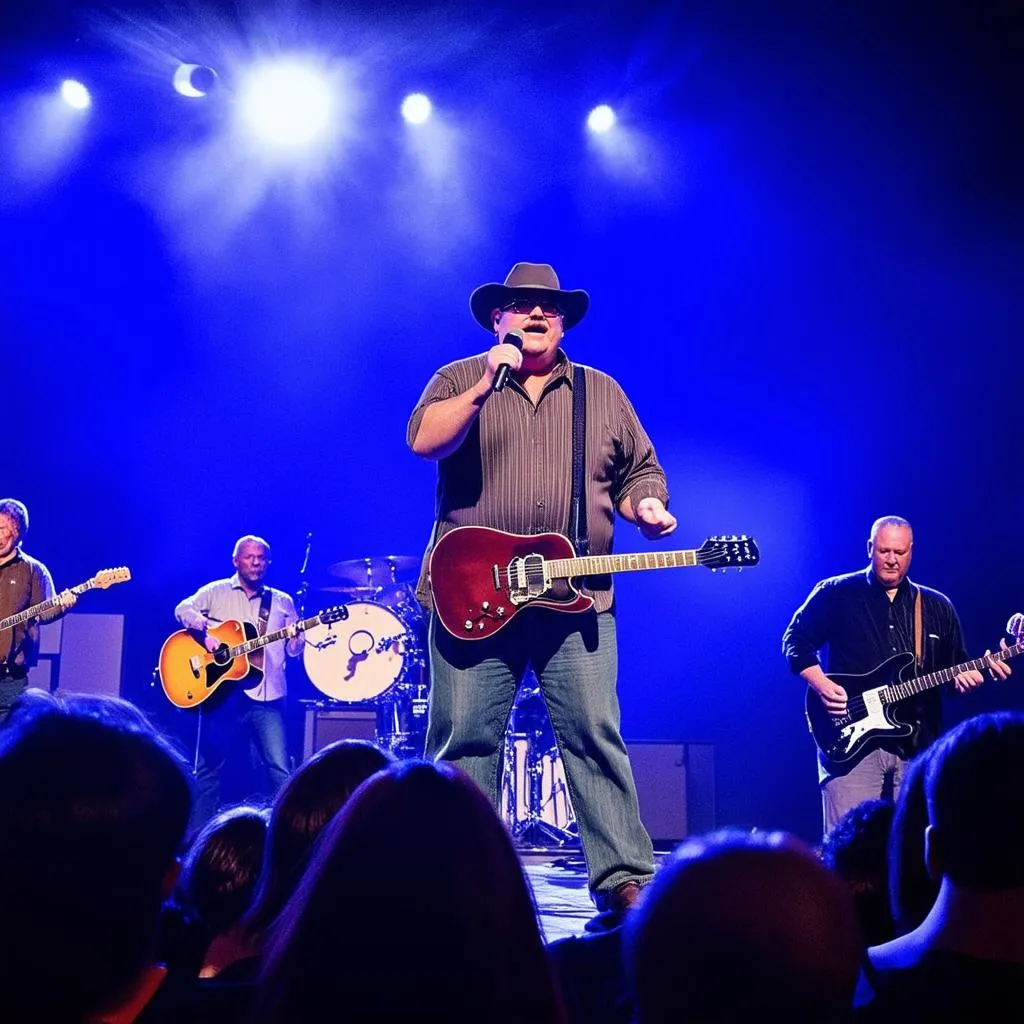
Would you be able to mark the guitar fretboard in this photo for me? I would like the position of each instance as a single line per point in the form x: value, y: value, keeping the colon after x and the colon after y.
x: 268, y: 638
x: 42, y: 608
x: 598, y: 565
x: 900, y: 691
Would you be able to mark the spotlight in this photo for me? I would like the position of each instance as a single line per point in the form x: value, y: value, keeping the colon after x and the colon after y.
x: 416, y: 108
x: 601, y: 119
x: 194, y: 79
x: 286, y: 103
x: 75, y: 94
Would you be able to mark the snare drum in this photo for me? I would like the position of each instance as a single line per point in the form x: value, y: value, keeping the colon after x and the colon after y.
x: 362, y: 658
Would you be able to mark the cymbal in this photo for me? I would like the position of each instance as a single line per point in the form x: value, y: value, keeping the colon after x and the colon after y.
x: 375, y: 570
x: 354, y: 593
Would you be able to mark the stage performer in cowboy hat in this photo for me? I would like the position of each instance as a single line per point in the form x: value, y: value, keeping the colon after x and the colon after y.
x: 500, y: 427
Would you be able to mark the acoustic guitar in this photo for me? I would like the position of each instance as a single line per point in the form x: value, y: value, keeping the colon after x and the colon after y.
x: 190, y: 674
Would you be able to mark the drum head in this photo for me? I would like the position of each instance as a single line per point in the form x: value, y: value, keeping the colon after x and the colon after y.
x: 362, y: 658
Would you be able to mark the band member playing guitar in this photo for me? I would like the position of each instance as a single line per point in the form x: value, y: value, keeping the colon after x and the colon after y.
x: 241, y: 712
x: 879, y: 628
x: 24, y: 582
x: 504, y: 454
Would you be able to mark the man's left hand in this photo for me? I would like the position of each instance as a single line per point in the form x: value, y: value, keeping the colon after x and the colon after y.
x: 996, y: 669
x: 653, y: 519
x: 67, y: 599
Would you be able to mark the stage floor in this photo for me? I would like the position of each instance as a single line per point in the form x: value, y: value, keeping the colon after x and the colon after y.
x: 559, y: 883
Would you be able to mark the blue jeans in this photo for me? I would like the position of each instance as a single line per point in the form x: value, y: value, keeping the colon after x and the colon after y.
x: 229, y: 728
x: 473, y: 685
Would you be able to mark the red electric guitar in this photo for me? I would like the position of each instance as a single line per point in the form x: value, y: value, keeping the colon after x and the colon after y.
x: 480, y: 578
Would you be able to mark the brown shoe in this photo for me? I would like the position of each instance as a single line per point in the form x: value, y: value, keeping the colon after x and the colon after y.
x: 621, y: 898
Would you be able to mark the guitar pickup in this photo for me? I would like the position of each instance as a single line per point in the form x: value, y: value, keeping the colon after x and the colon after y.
x: 496, y: 575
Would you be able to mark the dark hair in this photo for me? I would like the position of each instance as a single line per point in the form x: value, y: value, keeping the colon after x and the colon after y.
x: 912, y: 890
x: 741, y: 927
x: 220, y: 870
x: 856, y: 850
x: 417, y: 859
x: 17, y: 511
x: 976, y: 802
x: 94, y: 805
x: 303, y: 806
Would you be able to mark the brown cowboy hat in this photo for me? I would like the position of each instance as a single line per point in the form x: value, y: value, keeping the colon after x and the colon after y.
x: 528, y: 277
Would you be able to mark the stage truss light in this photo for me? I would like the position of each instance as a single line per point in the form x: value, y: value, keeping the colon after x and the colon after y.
x: 75, y: 94
x: 416, y: 108
x: 601, y: 119
x: 194, y: 80
x: 286, y: 103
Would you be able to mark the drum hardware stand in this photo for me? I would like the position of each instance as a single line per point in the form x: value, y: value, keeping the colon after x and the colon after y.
x: 534, y: 831
x: 303, y: 588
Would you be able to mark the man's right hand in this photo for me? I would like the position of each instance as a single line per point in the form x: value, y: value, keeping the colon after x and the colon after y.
x: 832, y: 695
x: 502, y: 355
x: 211, y: 643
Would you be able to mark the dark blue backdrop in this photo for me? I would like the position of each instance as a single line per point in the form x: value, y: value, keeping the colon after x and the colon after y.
x: 806, y: 273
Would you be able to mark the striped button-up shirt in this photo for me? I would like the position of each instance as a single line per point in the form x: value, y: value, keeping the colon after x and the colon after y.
x: 513, y: 471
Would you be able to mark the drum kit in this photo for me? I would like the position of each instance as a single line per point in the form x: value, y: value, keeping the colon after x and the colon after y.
x: 376, y: 659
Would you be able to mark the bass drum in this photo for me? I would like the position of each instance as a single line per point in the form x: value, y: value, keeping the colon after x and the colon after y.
x: 363, y: 658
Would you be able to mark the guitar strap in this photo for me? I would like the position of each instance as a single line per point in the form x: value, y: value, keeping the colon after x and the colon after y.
x: 918, y: 629
x: 256, y: 658
x: 265, y: 600
x: 578, y: 531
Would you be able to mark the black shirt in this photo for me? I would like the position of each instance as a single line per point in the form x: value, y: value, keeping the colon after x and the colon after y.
x: 853, y: 617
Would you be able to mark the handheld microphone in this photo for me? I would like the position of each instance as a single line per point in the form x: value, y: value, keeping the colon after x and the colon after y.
x: 513, y: 337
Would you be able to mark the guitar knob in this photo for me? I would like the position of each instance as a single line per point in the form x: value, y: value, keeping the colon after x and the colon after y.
x: 485, y: 605
x: 500, y: 611
x: 468, y: 624
x: 480, y: 624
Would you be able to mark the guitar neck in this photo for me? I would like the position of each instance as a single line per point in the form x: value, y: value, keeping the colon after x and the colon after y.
x: 42, y: 608
x: 269, y: 638
x: 900, y: 691
x: 600, y: 565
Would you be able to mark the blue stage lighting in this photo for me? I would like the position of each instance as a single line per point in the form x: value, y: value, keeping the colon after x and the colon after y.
x: 194, y: 79
x: 601, y: 119
x: 75, y: 94
x: 286, y: 103
x: 416, y: 108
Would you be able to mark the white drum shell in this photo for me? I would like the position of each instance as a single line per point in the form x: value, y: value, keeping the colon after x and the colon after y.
x: 360, y: 659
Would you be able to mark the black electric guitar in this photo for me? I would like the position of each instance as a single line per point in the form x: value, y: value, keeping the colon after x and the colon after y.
x: 873, y: 698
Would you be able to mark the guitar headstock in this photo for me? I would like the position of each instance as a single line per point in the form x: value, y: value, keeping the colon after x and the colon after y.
x: 334, y: 614
x: 736, y: 552
x: 108, y: 577
x: 1015, y: 627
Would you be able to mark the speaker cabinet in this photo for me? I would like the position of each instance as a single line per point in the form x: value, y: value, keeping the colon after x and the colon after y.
x: 324, y: 726
x: 675, y: 785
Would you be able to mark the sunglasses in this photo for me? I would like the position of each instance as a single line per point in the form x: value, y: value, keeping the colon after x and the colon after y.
x: 529, y: 304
